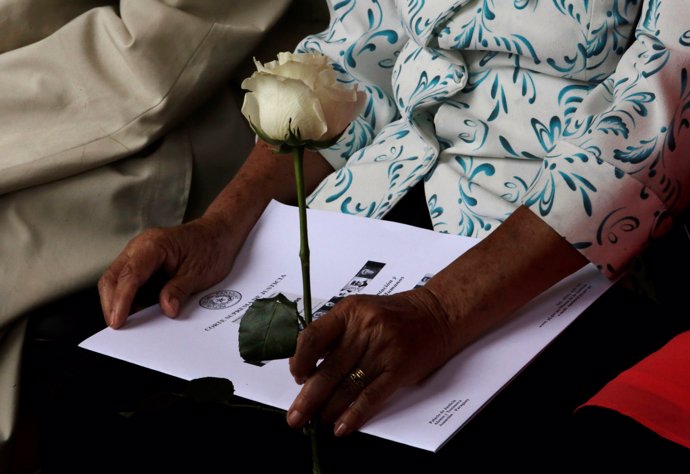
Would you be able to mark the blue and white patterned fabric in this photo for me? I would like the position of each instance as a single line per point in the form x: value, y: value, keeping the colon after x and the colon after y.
x: 578, y: 109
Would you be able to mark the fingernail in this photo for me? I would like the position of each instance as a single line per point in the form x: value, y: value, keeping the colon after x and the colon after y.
x: 174, y: 306
x: 111, y: 316
x: 295, y: 418
x: 341, y: 429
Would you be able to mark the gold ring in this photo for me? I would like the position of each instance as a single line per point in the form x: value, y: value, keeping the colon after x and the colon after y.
x: 357, y: 377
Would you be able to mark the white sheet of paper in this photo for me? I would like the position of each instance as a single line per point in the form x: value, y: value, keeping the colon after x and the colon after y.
x: 348, y: 255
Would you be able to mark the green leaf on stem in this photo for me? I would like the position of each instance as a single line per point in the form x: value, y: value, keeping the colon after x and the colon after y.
x: 268, y: 330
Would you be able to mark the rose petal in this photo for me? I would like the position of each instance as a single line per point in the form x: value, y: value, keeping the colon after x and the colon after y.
x: 340, y: 104
x: 304, y: 99
x: 338, y: 118
x: 283, y: 107
x: 313, y: 59
x: 300, y: 71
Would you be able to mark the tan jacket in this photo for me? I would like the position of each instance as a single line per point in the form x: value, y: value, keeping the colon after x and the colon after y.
x: 109, y: 114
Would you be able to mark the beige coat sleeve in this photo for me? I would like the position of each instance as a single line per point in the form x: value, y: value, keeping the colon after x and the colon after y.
x: 103, y: 121
x: 110, y: 82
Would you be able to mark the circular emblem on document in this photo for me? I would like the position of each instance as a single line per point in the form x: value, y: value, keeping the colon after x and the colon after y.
x: 220, y: 299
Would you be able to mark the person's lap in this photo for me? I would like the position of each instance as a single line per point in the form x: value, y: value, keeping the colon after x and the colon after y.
x: 527, y: 424
x: 531, y: 422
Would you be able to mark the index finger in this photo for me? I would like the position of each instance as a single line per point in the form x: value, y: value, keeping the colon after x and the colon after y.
x: 106, y: 286
x: 126, y: 275
x: 313, y: 343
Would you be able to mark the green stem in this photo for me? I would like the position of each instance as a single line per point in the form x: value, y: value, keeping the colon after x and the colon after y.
x: 298, y: 160
x: 315, y: 460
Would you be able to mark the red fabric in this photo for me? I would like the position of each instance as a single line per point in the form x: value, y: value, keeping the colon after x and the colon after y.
x: 655, y: 392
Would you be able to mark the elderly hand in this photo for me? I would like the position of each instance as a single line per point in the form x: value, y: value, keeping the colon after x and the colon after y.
x: 195, y: 256
x: 385, y: 342
x: 200, y: 253
x: 373, y: 345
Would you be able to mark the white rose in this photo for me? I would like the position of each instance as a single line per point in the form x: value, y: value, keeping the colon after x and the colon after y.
x: 296, y: 100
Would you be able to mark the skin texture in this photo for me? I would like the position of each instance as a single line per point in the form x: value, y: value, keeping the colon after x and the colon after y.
x: 400, y: 339
x: 200, y: 253
x: 396, y: 340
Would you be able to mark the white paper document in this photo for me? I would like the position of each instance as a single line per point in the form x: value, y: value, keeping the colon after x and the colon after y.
x: 348, y: 255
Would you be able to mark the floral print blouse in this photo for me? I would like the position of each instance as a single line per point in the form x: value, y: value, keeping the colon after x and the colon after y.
x: 577, y: 109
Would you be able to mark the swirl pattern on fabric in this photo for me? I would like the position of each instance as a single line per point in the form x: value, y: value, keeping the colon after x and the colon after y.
x: 585, y: 122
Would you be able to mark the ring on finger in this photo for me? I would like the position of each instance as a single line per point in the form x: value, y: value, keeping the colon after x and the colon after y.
x: 357, y: 379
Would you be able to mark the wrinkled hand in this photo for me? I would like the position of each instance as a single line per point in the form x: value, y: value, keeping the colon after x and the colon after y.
x: 194, y: 256
x: 400, y: 339
x: 395, y: 340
